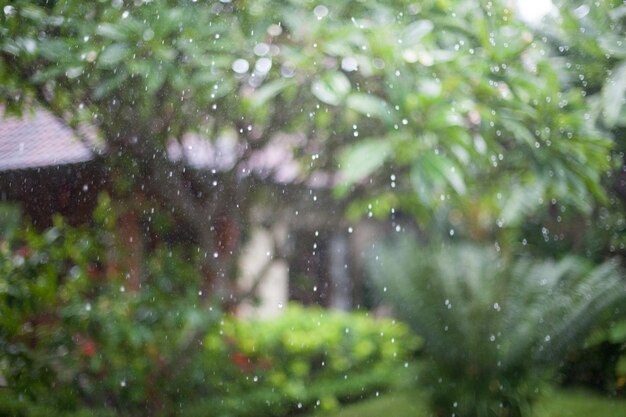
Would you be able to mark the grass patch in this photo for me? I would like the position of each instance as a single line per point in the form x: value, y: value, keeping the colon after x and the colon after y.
x: 556, y: 403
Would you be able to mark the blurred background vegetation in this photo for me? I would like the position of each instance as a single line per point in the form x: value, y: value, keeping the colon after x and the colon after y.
x: 487, y: 149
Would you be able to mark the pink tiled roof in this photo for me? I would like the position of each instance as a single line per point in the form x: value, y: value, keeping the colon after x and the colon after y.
x: 38, y: 140
x: 41, y: 140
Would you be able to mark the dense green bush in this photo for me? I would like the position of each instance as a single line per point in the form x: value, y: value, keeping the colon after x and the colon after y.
x: 72, y: 335
x: 75, y: 340
x: 492, y: 325
x: 308, y: 357
x: 600, y: 363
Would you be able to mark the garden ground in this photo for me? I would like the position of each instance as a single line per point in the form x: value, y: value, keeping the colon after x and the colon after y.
x: 556, y: 403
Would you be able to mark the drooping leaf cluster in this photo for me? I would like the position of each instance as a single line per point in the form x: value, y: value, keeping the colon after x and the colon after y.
x: 441, y: 106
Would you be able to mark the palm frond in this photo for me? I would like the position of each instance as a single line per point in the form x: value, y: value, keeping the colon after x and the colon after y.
x: 488, y: 317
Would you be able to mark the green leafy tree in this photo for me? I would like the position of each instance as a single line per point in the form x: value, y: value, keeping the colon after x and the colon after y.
x: 448, y: 110
x: 586, y: 39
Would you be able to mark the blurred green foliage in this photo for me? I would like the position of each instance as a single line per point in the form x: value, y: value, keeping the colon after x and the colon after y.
x: 450, y: 110
x: 75, y: 339
x: 306, y: 358
x: 74, y: 336
x: 493, y: 324
x: 453, y: 111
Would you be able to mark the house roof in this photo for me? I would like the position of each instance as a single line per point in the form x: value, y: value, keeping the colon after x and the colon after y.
x: 39, y: 140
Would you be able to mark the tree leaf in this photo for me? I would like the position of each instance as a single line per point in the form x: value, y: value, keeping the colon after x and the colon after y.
x: 107, y: 86
x: 113, y: 55
x: 417, y: 30
x: 370, y: 105
x: 110, y: 31
x: 332, y: 88
x: 363, y: 158
x: 522, y: 200
x: 613, y: 94
x: 268, y: 91
x: 431, y: 172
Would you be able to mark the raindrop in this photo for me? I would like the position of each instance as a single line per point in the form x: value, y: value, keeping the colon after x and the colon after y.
x: 263, y: 65
x: 240, y: 66
x: 261, y: 49
x: 349, y: 64
x: 320, y: 11
x: 274, y: 30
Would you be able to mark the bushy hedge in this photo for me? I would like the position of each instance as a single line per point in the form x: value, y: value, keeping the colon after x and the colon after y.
x: 75, y: 340
x: 306, y: 358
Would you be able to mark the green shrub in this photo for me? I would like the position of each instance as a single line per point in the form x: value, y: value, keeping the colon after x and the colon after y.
x: 76, y: 341
x: 492, y: 325
x: 600, y: 363
x: 72, y: 336
x: 308, y: 357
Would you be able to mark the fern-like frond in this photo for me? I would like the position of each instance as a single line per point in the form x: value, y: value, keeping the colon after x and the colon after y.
x: 491, y: 319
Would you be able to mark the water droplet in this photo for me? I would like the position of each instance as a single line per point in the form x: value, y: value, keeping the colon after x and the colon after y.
x: 320, y: 11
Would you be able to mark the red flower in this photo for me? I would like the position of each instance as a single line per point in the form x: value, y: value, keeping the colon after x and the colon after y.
x: 242, y: 361
x: 23, y: 251
x: 89, y: 348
